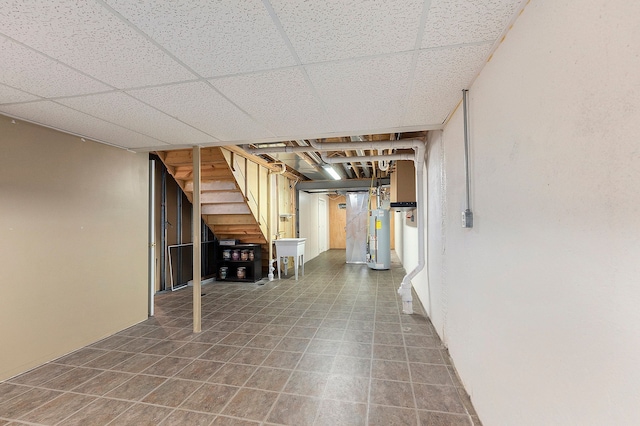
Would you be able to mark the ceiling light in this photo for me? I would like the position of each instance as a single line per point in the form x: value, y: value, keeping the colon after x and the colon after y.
x: 332, y: 172
x: 270, y: 145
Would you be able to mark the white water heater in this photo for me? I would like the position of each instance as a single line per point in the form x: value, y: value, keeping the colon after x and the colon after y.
x: 379, y: 240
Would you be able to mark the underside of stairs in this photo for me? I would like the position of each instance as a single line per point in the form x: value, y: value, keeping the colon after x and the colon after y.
x: 225, y: 208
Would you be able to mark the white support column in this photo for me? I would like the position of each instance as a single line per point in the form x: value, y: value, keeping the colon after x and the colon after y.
x: 197, y: 249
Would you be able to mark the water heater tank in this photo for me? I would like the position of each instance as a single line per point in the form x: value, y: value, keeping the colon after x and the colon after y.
x: 379, y: 240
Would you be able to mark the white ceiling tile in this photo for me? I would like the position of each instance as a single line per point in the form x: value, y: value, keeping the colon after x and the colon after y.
x: 364, y: 93
x: 28, y: 70
x: 213, y: 37
x: 462, y: 21
x: 134, y: 115
x: 87, y: 37
x: 202, y: 107
x: 281, y: 100
x: 9, y: 95
x: 338, y: 29
x: 51, y: 114
x: 440, y: 76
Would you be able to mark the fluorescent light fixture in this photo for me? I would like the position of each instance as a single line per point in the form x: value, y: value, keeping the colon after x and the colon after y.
x: 270, y: 145
x: 332, y: 172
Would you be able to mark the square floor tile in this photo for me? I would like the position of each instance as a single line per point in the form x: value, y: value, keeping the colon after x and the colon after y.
x: 385, y: 416
x: 430, y: 418
x: 306, y: 383
x: 233, y: 374
x: 210, y: 398
x: 438, y: 398
x: 58, y: 409
x: 347, y: 388
x: 136, y: 388
x: 98, y: 413
x: 172, y: 392
x: 294, y: 410
x: 141, y: 414
x: 268, y: 379
x: 251, y: 404
x: 341, y: 413
x: 385, y: 392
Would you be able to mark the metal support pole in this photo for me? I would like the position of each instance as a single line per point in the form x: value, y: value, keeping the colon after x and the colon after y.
x: 163, y: 230
x: 197, y: 249
x: 152, y: 234
x: 179, y: 234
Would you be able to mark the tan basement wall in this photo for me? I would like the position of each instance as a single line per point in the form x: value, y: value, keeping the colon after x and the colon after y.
x: 74, y: 243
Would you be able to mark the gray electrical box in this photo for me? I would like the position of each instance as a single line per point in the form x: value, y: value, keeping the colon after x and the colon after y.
x: 467, y: 219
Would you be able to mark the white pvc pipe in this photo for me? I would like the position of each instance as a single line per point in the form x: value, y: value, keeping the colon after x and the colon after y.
x: 405, y: 287
x: 373, y: 145
x: 339, y: 146
x: 332, y: 160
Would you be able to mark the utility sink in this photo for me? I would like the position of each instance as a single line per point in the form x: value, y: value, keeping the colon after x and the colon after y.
x: 294, y: 247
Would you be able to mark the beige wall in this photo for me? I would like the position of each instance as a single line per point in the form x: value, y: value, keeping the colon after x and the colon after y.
x: 73, y: 257
x: 538, y: 303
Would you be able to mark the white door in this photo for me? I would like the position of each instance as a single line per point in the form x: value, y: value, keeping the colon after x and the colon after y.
x: 322, y: 225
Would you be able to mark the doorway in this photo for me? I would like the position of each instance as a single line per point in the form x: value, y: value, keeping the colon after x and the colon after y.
x: 322, y: 225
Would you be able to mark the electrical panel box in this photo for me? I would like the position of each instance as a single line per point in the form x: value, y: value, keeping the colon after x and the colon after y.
x: 403, y: 182
x: 467, y: 219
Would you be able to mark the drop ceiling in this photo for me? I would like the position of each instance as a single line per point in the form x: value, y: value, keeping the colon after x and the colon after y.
x: 161, y: 75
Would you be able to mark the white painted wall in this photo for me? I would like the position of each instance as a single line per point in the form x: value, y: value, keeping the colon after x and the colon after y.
x: 538, y: 303
x: 74, y: 243
x: 308, y: 211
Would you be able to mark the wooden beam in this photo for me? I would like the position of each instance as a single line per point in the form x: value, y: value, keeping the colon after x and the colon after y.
x: 228, y: 208
x: 232, y: 219
x: 219, y: 197
x: 213, y: 185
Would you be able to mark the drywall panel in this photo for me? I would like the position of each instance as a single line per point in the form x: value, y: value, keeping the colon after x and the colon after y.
x: 74, y: 243
x: 541, y: 314
x: 309, y: 229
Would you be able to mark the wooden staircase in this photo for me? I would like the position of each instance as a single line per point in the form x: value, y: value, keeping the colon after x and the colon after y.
x: 225, y: 209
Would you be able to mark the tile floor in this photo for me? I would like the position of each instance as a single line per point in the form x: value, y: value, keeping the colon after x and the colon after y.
x: 332, y: 348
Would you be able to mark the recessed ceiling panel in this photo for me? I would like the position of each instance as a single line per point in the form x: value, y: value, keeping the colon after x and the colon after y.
x: 281, y: 100
x: 128, y: 112
x: 28, y: 70
x: 201, y: 106
x: 338, y: 29
x: 9, y: 94
x: 50, y: 114
x: 440, y: 76
x: 453, y: 22
x: 364, y: 93
x: 88, y: 37
x: 212, y: 37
